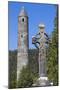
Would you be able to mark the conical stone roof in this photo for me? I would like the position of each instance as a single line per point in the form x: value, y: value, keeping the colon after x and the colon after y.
x: 23, y: 12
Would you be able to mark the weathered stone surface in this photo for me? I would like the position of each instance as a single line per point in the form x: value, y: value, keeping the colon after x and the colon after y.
x: 22, y: 55
x: 43, y: 79
x: 42, y: 82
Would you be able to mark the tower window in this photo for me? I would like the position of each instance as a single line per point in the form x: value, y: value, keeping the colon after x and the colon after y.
x: 22, y: 19
x: 21, y: 35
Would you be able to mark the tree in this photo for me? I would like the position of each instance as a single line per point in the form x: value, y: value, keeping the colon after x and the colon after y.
x: 29, y: 74
x: 25, y: 79
x: 52, y: 68
x: 12, y: 68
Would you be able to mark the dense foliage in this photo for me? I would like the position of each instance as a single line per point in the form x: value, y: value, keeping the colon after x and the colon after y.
x: 12, y: 68
x: 25, y: 79
x: 52, y: 65
x: 28, y: 74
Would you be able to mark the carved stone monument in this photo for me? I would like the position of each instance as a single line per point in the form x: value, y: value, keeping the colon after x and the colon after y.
x: 41, y: 41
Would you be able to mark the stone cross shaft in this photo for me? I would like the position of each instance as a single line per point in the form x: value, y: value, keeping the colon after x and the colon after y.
x: 42, y: 53
x: 40, y: 40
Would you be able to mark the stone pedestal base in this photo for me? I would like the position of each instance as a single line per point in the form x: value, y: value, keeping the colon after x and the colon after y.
x: 42, y: 81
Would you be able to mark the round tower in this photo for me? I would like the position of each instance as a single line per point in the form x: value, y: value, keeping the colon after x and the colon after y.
x: 22, y: 54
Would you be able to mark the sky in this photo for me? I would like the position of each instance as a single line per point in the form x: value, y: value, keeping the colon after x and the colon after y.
x: 37, y: 13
